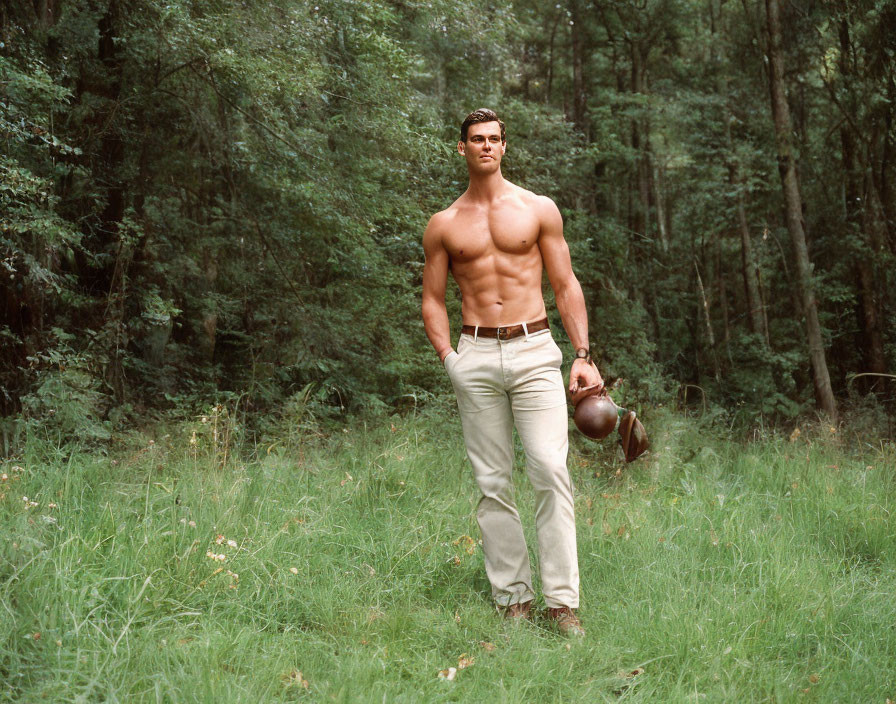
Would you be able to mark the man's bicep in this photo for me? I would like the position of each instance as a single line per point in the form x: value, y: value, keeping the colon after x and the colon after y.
x: 553, y: 246
x: 435, y: 264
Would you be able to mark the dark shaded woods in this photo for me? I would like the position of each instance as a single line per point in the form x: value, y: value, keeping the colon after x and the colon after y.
x: 223, y: 201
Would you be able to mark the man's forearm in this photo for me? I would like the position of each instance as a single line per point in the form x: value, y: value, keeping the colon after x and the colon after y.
x: 438, y: 330
x: 571, y: 304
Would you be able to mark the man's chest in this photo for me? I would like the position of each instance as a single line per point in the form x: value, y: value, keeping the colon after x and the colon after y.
x: 504, y: 230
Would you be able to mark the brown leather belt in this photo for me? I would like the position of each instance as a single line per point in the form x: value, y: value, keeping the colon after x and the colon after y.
x: 508, y: 332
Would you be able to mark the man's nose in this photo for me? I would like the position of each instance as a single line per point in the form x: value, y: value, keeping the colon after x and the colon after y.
x: 487, y: 147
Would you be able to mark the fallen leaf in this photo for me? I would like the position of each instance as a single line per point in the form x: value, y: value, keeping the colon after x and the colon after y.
x: 468, y: 543
x: 485, y: 645
x: 295, y: 678
x: 634, y: 673
x: 35, y: 636
x: 813, y: 678
x: 457, y: 617
x: 795, y: 434
x: 294, y: 570
x: 465, y: 661
x: 448, y: 674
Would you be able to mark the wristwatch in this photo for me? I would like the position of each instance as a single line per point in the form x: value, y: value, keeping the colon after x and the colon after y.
x: 584, y: 353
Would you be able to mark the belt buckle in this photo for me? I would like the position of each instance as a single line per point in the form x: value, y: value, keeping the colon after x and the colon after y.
x: 502, y: 333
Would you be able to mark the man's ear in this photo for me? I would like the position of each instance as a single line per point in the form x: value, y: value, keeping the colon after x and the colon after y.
x: 460, y: 147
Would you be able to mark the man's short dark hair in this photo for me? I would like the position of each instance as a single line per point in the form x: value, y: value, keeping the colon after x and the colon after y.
x: 480, y: 115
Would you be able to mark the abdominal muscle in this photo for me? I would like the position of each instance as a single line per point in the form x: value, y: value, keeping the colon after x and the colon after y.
x: 501, y: 289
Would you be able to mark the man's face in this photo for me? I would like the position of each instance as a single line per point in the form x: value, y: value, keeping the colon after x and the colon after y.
x: 483, y: 149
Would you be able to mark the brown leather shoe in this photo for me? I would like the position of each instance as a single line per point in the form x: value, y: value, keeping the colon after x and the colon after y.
x: 567, y: 622
x: 518, y: 610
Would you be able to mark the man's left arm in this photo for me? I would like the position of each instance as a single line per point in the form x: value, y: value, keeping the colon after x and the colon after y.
x: 567, y: 291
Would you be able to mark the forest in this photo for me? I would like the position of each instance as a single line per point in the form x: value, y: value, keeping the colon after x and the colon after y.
x: 222, y: 201
x: 232, y: 468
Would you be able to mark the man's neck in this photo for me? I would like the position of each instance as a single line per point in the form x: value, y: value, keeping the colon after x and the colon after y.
x: 485, y: 188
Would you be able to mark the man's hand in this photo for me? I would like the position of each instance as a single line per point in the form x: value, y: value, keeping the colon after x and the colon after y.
x: 584, y: 375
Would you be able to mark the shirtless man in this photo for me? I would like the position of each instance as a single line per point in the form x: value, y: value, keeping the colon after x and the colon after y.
x: 496, y: 239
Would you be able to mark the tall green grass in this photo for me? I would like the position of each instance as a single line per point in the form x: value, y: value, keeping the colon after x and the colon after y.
x: 711, y: 571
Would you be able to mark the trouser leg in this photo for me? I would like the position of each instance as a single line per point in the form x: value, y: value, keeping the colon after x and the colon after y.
x: 544, y: 436
x: 487, y: 421
x: 538, y: 400
x: 489, y: 442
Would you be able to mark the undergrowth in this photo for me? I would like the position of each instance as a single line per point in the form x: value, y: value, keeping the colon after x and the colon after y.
x: 346, y: 566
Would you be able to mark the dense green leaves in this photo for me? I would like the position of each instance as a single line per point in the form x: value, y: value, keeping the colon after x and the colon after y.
x: 228, y: 197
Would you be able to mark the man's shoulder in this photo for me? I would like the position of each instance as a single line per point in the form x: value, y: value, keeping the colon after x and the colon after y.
x: 439, y: 223
x: 540, y: 203
x: 443, y: 217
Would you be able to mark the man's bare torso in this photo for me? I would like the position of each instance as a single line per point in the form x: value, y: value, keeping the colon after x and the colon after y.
x: 495, y: 257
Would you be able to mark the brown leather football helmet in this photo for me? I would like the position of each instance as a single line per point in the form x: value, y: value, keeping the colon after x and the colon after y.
x: 596, y: 416
x: 632, y: 436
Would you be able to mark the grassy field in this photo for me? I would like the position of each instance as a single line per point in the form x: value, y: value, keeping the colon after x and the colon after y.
x: 183, y: 568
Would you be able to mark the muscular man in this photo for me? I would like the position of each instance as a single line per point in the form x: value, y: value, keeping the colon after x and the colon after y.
x: 496, y: 239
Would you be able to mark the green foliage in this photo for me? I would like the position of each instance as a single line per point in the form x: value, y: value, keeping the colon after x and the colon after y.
x: 67, y: 405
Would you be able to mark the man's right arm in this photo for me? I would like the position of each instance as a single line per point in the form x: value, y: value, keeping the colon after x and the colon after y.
x: 435, y: 279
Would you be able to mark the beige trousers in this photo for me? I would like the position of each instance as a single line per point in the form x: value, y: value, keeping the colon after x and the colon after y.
x: 499, y: 384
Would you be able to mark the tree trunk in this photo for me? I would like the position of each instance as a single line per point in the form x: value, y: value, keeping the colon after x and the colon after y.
x: 824, y: 394
x: 640, y: 144
x: 579, y: 98
x: 723, y: 297
x: 862, y: 214
x: 660, y: 200
x: 711, y: 338
x: 748, y: 266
